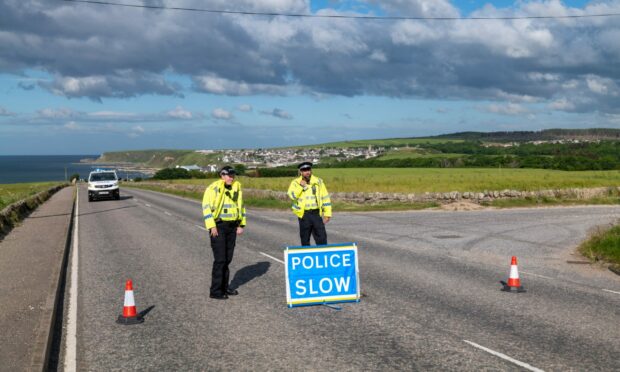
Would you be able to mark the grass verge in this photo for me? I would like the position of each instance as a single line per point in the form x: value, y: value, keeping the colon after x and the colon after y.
x: 603, y: 245
x: 11, y: 193
x: 274, y: 203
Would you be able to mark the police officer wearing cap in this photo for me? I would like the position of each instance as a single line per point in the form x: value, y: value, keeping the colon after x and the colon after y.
x: 224, y: 215
x: 311, y: 204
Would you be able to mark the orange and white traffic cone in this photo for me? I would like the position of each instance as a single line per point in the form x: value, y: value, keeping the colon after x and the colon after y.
x: 513, y: 279
x: 129, y: 316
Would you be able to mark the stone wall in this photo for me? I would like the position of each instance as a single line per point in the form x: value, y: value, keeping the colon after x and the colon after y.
x: 439, y: 197
x: 12, y: 214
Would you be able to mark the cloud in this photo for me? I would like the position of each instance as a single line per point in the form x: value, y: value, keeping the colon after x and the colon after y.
x: 218, y: 85
x: 562, y: 104
x: 25, y: 86
x: 245, y: 108
x: 121, y: 84
x: 61, y: 113
x: 59, y: 116
x: 221, y: 114
x: 506, y: 109
x: 378, y: 56
x: 107, y: 54
x: 5, y: 112
x: 72, y: 125
x: 278, y: 113
x: 180, y: 113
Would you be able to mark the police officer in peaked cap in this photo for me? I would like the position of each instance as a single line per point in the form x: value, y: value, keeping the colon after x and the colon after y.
x: 311, y: 204
x: 224, y: 216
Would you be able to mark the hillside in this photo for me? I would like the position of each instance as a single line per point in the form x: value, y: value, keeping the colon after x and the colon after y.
x: 565, y: 149
x: 159, y: 158
x: 543, y: 135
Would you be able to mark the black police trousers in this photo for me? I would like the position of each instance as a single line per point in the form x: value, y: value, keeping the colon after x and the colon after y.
x: 223, y: 246
x: 312, y: 223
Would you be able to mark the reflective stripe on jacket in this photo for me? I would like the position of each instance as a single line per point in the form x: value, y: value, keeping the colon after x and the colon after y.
x: 314, y: 196
x: 218, y: 203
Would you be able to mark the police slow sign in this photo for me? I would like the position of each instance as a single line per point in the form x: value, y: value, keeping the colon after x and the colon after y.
x: 321, y: 274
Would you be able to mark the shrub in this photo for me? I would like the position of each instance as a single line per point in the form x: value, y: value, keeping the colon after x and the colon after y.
x: 172, y: 174
x: 276, y: 172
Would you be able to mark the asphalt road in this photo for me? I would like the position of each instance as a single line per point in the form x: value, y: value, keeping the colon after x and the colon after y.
x: 430, y: 283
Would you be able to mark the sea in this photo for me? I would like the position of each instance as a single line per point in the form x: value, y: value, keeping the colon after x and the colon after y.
x: 42, y: 168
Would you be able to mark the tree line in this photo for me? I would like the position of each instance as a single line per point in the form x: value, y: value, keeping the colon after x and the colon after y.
x: 604, y: 155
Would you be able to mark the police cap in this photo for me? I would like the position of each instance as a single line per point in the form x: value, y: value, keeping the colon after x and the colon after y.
x: 306, y: 165
x: 227, y: 170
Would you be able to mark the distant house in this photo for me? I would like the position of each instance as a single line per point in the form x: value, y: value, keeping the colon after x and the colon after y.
x: 190, y: 167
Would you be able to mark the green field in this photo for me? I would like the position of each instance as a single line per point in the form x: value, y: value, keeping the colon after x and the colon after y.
x: 419, y: 180
x: 388, y: 142
x: 412, y: 152
x: 10, y: 193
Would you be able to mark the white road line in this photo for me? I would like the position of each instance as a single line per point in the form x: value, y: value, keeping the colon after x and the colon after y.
x: 167, y: 213
x: 505, y: 357
x: 148, y: 205
x: 200, y: 227
x: 71, y: 343
x: 542, y: 276
x: 609, y: 290
x: 273, y: 258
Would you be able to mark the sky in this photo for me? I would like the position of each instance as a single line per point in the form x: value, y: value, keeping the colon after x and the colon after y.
x: 83, y: 78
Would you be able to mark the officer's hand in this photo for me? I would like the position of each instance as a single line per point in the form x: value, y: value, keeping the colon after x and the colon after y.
x: 302, y: 183
x: 213, y: 231
x: 239, y: 230
x: 326, y: 219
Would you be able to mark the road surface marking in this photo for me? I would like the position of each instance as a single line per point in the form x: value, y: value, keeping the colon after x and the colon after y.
x: 542, y: 276
x: 273, y: 258
x: 505, y: 357
x: 148, y: 205
x: 609, y: 290
x: 167, y: 213
x: 200, y: 227
x: 71, y: 343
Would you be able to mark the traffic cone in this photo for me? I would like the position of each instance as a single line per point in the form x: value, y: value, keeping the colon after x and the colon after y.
x: 129, y: 316
x: 513, y: 279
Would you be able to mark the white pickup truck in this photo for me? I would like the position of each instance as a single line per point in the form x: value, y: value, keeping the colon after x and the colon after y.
x: 103, y: 184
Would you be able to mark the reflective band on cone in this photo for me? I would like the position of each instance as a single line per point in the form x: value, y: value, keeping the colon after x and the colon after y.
x: 513, y: 279
x: 130, y: 315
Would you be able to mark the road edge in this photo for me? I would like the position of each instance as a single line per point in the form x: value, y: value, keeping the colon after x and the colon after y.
x: 44, y: 338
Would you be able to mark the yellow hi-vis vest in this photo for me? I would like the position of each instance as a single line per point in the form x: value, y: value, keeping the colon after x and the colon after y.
x: 219, y: 203
x: 313, y: 196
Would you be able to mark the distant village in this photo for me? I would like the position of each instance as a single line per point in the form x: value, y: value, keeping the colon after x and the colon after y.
x: 271, y: 158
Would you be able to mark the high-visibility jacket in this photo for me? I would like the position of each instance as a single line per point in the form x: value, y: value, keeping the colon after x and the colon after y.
x: 220, y: 203
x: 313, y: 196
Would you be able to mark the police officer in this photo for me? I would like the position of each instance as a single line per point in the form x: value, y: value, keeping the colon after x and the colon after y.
x: 311, y: 205
x: 224, y: 215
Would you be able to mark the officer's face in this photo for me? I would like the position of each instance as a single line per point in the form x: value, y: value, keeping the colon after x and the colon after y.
x: 306, y: 173
x: 228, y: 178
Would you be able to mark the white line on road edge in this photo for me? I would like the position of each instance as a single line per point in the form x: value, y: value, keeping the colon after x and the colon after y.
x: 71, y: 343
x: 542, y: 276
x: 273, y: 258
x: 148, y: 205
x: 167, y: 213
x: 200, y: 227
x: 505, y: 357
x: 609, y: 290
